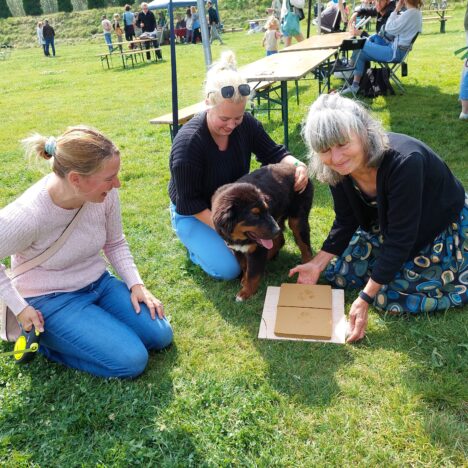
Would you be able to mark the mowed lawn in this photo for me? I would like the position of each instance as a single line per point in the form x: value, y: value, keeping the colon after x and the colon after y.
x: 219, y: 396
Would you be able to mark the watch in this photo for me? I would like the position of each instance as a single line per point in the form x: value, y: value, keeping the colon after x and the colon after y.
x: 366, y: 298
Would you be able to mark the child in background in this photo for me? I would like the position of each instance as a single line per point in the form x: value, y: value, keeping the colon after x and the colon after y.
x: 118, y: 29
x: 272, y: 36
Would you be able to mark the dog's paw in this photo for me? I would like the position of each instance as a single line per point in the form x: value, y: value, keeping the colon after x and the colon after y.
x: 239, y: 298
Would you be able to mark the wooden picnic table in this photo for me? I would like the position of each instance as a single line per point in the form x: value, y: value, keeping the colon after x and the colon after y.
x: 440, y: 17
x: 322, y: 41
x: 284, y: 68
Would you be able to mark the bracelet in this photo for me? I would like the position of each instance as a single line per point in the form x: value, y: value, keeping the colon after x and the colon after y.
x: 366, y: 298
x: 299, y: 163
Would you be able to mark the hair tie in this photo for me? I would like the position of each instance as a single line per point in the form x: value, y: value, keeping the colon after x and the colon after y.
x: 50, y: 146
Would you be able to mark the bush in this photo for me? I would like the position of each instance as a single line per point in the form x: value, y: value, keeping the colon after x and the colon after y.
x: 4, y: 10
x: 65, y: 5
x: 32, y: 7
x: 97, y: 4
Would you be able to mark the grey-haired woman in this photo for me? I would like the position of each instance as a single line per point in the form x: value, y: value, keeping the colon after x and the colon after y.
x: 400, y: 233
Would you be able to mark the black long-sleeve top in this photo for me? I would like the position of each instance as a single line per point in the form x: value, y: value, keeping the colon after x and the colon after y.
x: 417, y: 198
x: 148, y: 20
x: 198, y: 167
x: 213, y: 17
x: 48, y: 31
x: 381, y: 16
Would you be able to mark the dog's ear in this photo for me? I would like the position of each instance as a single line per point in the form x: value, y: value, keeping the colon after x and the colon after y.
x: 224, y: 221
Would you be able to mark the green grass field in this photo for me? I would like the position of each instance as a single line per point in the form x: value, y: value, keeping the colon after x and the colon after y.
x: 219, y: 396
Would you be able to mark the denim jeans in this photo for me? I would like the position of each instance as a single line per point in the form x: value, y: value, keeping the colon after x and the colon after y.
x: 49, y: 43
x: 376, y: 51
x: 95, y: 329
x: 108, y: 39
x: 205, y: 246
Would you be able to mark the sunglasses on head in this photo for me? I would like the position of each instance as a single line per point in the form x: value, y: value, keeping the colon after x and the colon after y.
x: 228, y: 91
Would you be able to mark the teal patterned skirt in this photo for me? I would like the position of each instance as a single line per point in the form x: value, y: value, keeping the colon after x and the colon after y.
x: 436, y: 279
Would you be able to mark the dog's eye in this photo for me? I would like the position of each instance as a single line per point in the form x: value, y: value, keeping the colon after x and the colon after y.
x: 255, y: 211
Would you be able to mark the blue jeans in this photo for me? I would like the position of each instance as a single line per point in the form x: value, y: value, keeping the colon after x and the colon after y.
x: 271, y: 52
x: 49, y: 43
x: 96, y: 329
x: 374, y: 50
x: 464, y: 82
x: 205, y: 246
x: 108, y: 39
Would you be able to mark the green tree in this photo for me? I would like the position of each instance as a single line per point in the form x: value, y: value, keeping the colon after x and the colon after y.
x: 97, y: 4
x: 4, y: 10
x: 65, y: 5
x: 32, y: 7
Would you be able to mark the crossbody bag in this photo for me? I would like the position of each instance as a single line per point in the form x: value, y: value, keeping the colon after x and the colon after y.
x: 9, y: 326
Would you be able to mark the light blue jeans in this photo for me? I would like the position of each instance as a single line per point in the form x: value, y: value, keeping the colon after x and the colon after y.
x: 376, y: 51
x: 95, y: 329
x: 108, y: 39
x: 205, y: 246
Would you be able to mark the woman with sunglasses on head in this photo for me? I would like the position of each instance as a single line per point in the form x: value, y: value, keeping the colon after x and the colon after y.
x: 214, y: 149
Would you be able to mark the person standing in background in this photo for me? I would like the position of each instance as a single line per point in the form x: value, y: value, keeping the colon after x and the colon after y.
x: 129, y: 23
x: 147, y: 23
x: 272, y: 36
x: 40, y: 36
x: 213, y: 21
x: 48, y: 34
x: 107, y: 29
x: 118, y: 30
x: 464, y: 78
x: 188, y: 25
x: 196, y: 34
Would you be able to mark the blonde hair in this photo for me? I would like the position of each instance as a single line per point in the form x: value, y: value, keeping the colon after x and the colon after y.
x: 224, y: 73
x: 272, y: 21
x: 81, y: 149
x: 116, y: 16
x: 333, y: 120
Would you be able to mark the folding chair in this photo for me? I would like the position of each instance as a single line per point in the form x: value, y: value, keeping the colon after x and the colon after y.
x: 350, y: 48
x: 393, y: 67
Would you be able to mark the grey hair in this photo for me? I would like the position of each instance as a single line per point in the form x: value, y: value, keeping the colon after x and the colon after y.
x: 224, y: 73
x: 334, y: 120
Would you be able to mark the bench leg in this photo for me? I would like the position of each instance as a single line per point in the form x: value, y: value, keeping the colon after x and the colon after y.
x: 442, y: 25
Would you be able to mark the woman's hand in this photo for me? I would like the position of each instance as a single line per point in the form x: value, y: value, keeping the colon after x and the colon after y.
x: 140, y: 294
x: 30, y: 317
x: 358, y: 317
x: 301, y: 178
x: 309, y: 273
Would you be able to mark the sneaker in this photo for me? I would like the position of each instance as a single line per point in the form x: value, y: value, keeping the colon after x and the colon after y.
x: 353, y: 89
x: 463, y: 116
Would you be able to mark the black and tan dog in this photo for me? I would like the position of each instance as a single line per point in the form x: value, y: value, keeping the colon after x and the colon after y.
x: 250, y: 214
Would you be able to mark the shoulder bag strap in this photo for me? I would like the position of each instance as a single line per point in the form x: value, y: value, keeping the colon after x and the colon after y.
x: 34, y: 262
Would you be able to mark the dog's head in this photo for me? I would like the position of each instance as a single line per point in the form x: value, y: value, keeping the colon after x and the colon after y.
x: 241, y: 216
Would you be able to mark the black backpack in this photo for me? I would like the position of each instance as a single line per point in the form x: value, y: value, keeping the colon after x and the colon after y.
x: 376, y: 82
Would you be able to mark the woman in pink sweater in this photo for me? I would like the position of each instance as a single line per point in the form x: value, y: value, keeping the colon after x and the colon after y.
x: 89, y: 319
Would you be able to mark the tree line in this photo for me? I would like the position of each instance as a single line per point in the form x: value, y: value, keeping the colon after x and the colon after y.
x: 10, y: 8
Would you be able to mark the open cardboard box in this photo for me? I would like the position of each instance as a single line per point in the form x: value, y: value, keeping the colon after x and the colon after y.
x: 295, y: 297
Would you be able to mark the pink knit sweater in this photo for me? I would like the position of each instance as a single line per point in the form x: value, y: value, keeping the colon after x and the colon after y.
x: 30, y: 224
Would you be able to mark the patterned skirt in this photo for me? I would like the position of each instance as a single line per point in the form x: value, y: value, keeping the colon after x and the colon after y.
x: 436, y: 279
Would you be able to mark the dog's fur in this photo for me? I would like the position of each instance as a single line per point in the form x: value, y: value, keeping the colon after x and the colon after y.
x: 250, y: 214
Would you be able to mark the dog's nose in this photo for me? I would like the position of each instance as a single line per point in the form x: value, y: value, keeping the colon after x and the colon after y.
x: 275, y: 228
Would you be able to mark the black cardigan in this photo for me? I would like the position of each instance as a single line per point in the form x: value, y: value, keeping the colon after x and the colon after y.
x: 417, y: 198
x: 198, y: 167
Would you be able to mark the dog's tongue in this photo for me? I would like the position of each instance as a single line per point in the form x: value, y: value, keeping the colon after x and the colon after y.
x: 267, y: 243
